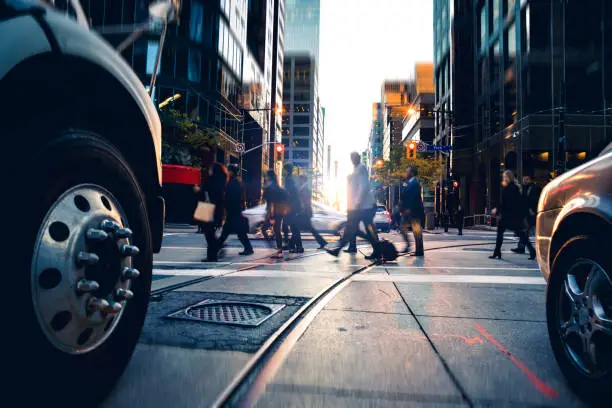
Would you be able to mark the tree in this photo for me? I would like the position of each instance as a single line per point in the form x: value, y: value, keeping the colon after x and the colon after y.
x: 183, y: 140
x: 393, y: 171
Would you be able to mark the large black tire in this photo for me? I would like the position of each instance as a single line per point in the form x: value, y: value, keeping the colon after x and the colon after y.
x: 595, y: 390
x: 53, y: 375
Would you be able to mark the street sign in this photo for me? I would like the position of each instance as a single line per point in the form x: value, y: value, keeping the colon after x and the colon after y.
x: 239, y: 147
x: 421, y: 146
x: 437, y: 148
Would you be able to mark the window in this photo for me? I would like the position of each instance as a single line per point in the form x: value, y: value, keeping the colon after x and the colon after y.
x: 181, y: 63
x: 286, y: 131
x: 301, y: 108
x: 301, y: 120
x: 483, y: 27
x: 305, y: 143
x: 152, y: 48
x: 195, y: 66
x: 302, y: 94
x: 301, y: 131
x: 301, y: 154
x: 196, y: 21
x: 495, y: 15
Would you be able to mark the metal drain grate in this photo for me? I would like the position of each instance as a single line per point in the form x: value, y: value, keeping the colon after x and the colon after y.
x: 228, y: 312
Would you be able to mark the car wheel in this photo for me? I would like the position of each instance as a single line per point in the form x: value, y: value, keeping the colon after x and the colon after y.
x: 90, y: 262
x: 579, y: 315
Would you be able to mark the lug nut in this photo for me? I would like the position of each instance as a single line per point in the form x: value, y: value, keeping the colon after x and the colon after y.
x: 129, y: 250
x: 94, y: 234
x: 87, y: 258
x: 109, y: 225
x: 85, y: 286
x: 129, y: 273
x: 98, y: 305
x: 123, y: 233
x: 123, y: 294
x: 113, y: 307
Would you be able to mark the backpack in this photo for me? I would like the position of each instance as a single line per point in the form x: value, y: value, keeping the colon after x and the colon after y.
x: 387, y: 250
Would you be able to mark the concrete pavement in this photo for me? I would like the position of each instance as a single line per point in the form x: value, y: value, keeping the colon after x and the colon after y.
x: 451, y: 329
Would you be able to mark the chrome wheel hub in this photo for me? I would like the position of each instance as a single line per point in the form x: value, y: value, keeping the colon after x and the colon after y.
x: 585, y: 312
x: 81, y: 269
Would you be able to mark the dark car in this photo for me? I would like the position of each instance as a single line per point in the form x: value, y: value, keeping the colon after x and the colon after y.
x: 81, y: 172
x: 573, y: 243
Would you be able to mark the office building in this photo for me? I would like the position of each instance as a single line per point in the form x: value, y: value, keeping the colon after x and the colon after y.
x: 535, y: 72
x: 375, y: 141
x: 302, y: 118
x: 418, y: 124
x: 302, y: 27
x: 395, y: 99
x: 219, y: 58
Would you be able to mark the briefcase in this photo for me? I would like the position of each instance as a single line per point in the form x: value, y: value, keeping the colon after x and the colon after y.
x: 205, y: 211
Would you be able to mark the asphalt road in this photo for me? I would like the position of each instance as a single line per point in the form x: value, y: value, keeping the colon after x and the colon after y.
x: 451, y: 329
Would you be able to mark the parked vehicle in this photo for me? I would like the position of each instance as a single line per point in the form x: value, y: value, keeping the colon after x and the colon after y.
x: 382, y: 219
x: 84, y: 175
x: 324, y: 218
x: 574, y: 226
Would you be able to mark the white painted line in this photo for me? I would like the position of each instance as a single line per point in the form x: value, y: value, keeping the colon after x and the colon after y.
x: 474, y: 268
x: 506, y: 280
x: 189, y: 263
x: 247, y: 273
x: 191, y: 272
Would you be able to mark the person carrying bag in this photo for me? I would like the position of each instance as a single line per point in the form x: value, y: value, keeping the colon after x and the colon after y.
x: 210, y: 207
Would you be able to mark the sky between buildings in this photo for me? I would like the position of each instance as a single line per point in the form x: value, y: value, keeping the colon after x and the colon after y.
x: 362, y: 43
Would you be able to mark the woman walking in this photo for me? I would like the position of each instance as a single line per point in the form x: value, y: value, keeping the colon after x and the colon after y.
x: 512, y: 215
x: 213, y: 190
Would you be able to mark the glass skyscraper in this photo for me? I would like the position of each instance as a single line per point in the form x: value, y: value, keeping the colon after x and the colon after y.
x: 303, y: 19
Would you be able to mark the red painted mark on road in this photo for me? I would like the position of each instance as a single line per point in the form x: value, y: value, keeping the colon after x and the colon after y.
x: 473, y: 340
x: 544, y: 388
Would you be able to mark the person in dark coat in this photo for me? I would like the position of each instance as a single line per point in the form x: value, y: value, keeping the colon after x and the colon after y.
x: 512, y: 214
x: 459, y: 214
x: 531, y: 196
x: 294, y: 210
x: 305, y: 216
x: 413, y: 211
x: 235, y: 222
x: 275, y: 198
x: 213, y: 190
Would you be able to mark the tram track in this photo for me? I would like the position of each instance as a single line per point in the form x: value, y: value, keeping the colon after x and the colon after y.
x: 250, y: 383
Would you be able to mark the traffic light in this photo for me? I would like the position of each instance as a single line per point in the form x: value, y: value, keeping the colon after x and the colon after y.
x: 279, y: 152
x: 411, y: 148
x: 455, y: 184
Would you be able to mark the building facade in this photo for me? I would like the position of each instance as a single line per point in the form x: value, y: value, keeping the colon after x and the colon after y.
x: 537, y: 85
x: 217, y: 65
x: 303, y: 26
x: 303, y: 119
x: 375, y: 141
x: 420, y: 124
x: 395, y: 98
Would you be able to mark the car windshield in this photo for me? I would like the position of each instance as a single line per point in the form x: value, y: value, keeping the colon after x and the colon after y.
x: 381, y: 209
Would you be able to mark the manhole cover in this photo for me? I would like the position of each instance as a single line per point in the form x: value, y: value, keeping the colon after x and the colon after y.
x: 226, y: 312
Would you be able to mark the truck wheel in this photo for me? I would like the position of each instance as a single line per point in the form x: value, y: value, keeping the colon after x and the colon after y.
x: 86, y: 293
x: 579, y: 316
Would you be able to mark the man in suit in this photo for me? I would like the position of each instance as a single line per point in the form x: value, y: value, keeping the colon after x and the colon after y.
x: 235, y: 223
x: 531, y: 196
x: 294, y: 210
x: 413, y: 213
x: 361, y: 209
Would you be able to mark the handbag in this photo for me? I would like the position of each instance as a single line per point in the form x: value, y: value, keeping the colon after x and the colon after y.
x: 205, y: 211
